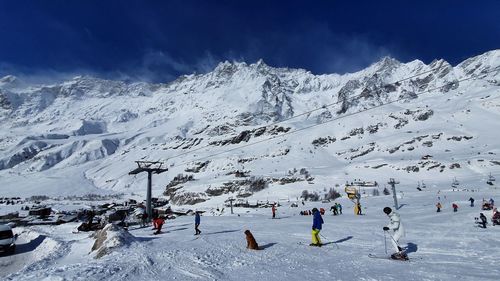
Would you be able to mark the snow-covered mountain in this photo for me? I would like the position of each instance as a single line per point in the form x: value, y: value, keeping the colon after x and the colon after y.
x: 409, y: 121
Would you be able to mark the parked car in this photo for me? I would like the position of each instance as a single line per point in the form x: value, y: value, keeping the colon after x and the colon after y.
x: 7, y: 239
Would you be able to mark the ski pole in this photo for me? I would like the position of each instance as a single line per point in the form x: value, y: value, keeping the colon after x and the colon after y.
x: 393, y: 240
x: 329, y: 240
x: 385, y: 243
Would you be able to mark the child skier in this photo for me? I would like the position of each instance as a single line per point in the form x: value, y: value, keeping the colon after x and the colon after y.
x: 159, y: 223
x: 197, y: 221
x: 396, y: 227
x: 438, y: 206
x: 316, y: 228
x: 339, y: 208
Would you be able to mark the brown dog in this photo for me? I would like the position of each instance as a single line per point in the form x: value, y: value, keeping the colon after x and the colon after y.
x: 251, y: 243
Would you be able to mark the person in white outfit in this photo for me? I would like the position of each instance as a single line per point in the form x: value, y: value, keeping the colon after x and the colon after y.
x: 398, y: 231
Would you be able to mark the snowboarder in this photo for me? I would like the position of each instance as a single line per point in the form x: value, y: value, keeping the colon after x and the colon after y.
x: 316, y: 228
x: 471, y: 202
x: 455, y: 207
x: 482, y: 220
x: 438, y: 206
x: 197, y: 221
x: 273, y: 209
x: 334, y: 209
x: 397, y: 229
x: 339, y: 208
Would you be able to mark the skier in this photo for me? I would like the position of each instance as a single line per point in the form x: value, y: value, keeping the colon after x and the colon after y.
x: 496, y: 217
x: 197, y: 221
x: 438, y: 206
x: 273, y: 209
x: 316, y: 228
x: 359, y: 209
x: 455, y: 207
x: 398, y: 231
x: 339, y: 208
x: 471, y: 202
x: 483, y: 221
x: 334, y: 209
x: 492, y: 202
x: 159, y: 221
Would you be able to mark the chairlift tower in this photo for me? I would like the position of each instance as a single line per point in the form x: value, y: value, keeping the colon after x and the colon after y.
x: 151, y: 168
x: 393, y: 183
x: 231, y: 199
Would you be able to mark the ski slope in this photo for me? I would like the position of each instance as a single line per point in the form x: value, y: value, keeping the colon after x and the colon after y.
x: 441, y: 246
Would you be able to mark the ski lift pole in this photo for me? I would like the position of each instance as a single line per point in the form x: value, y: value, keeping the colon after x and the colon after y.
x: 393, y: 183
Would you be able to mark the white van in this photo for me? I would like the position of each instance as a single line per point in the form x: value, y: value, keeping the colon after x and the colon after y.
x: 7, y: 239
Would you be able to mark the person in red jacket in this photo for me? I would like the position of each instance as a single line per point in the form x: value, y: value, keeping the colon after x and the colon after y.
x: 274, y: 210
x: 455, y: 207
x: 159, y: 223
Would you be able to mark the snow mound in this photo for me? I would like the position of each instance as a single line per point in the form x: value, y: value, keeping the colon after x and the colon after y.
x: 110, y: 238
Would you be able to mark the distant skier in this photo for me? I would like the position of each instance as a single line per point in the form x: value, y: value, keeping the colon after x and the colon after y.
x: 273, y: 209
x: 455, y: 207
x: 482, y: 220
x: 197, y: 221
x: 359, y: 209
x: 492, y: 202
x: 339, y: 208
x: 397, y: 229
x: 159, y: 221
x: 496, y: 217
x: 334, y: 209
x: 471, y: 202
x: 438, y: 206
x: 316, y: 228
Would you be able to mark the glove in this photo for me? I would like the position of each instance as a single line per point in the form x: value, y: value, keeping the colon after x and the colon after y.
x: 385, y: 228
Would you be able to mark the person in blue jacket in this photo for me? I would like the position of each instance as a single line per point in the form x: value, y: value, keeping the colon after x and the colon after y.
x: 316, y: 228
x: 197, y: 220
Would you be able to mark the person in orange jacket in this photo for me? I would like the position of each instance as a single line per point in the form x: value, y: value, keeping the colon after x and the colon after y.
x: 438, y: 206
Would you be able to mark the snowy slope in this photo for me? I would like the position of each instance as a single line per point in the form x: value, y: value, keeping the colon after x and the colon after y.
x: 441, y: 246
x: 83, y: 135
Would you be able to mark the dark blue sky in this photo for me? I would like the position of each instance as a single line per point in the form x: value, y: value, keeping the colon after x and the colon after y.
x: 159, y: 40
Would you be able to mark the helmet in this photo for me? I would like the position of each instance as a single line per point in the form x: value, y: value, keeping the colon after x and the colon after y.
x: 387, y: 210
x: 314, y: 210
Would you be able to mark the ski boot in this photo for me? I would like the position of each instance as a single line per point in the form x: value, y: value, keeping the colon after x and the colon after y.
x: 399, y: 256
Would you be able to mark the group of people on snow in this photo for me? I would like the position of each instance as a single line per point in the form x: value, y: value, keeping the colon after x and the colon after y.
x: 395, y: 230
x: 336, y: 209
